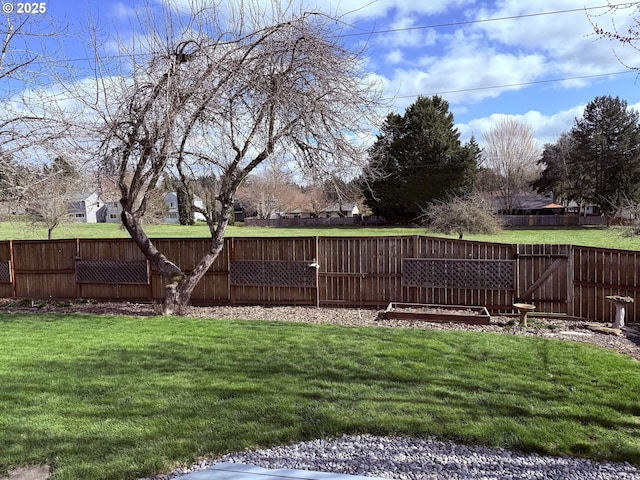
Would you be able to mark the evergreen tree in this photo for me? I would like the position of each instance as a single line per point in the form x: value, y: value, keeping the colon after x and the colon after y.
x: 556, y: 176
x: 185, y: 209
x: 416, y: 159
x: 605, y: 158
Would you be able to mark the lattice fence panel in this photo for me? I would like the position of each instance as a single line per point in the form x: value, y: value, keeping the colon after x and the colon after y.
x: 112, y: 272
x: 5, y: 272
x: 273, y: 273
x: 451, y: 273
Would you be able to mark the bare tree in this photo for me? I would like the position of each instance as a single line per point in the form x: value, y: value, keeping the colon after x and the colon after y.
x: 271, y: 190
x: 14, y: 59
x: 316, y: 199
x: 626, y: 35
x: 331, y: 193
x: 461, y: 215
x: 13, y: 178
x: 223, y: 88
x: 48, y: 197
x: 26, y: 58
x: 32, y: 127
x: 47, y: 203
x: 512, y: 153
x: 11, y: 64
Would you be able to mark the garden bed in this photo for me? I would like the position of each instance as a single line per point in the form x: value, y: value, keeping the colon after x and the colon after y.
x: 438, y: 313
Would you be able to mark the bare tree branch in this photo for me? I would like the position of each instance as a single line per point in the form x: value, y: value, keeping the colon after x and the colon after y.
x: 219, y: 89
x: 629, y: 35
x: 512, y: 153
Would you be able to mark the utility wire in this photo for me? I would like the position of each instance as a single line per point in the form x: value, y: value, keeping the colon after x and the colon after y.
x: 424, y: 27
x: 523, y: 84
x: 470, y: 22
x: 494, y: 19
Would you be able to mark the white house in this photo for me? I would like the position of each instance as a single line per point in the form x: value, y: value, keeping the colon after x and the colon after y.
x: 87, y: 208
x: 171, y: 199
x: 113, y: 212
x: 114, y: 209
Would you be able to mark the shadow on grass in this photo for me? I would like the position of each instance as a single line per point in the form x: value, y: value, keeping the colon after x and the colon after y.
x: 163, y: 392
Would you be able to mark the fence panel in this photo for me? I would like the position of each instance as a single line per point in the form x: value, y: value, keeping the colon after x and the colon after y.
x: 296, y: 251
x: 600, y: 272
x: 304, y: 222
x: 494, y: 299
x: 6, y: 282
x: 187, y: 253
x: 545, y: 277
x: 45, y: 269
x: 352, y: 272
x: 362, y: 271
x: 122, y: 250
x: 567, y: 220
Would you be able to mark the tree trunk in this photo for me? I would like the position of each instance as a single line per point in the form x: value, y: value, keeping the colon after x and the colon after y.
x: 173, y: 302
x: 171, y: 271
x: 178, y: 292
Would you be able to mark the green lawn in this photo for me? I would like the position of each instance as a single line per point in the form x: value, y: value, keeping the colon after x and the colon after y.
x: 115, y: 397
x: 22, y: 231
x: 596, y: 237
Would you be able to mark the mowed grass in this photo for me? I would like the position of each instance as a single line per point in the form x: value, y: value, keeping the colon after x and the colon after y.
x: 589, y: 236
x: 24, y: 231
x: 113, y: 397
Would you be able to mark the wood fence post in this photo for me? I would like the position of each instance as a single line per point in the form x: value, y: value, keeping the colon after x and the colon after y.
x: 231, y: 255
x: 570, y: 280
x: 78, y: 284
x: 12, y: 268
x: 517, y: 258
x: 317, y: 268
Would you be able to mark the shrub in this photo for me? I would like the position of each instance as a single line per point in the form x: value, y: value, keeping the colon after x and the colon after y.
x: 468, y: 215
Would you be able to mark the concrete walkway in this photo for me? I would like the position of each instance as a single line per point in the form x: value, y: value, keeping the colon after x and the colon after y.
x: 238, y: 471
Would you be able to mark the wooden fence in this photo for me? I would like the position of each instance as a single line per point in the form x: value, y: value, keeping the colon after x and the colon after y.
x: 355, y: 272
x: 565, y: 220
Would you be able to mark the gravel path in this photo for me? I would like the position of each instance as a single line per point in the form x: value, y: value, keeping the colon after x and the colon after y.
x: 414, y: 459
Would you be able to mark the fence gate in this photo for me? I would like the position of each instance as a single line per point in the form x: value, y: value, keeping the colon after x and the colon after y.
x: 545, y: 277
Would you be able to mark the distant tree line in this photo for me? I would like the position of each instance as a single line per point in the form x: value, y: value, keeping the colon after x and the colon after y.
x: 598, y: 161
x: 418, y: 164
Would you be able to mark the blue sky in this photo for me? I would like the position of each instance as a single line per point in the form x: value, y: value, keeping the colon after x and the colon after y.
x: 536, y: 62
x: 526, y: 52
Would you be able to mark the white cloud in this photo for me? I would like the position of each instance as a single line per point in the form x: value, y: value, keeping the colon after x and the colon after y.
x: 546, y: 128
x: 359, y: 9
x: 122, y: 12
x: 406, y: 36
x: 394, y: 57
x: 460, y: 78
x: 568, y: 39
